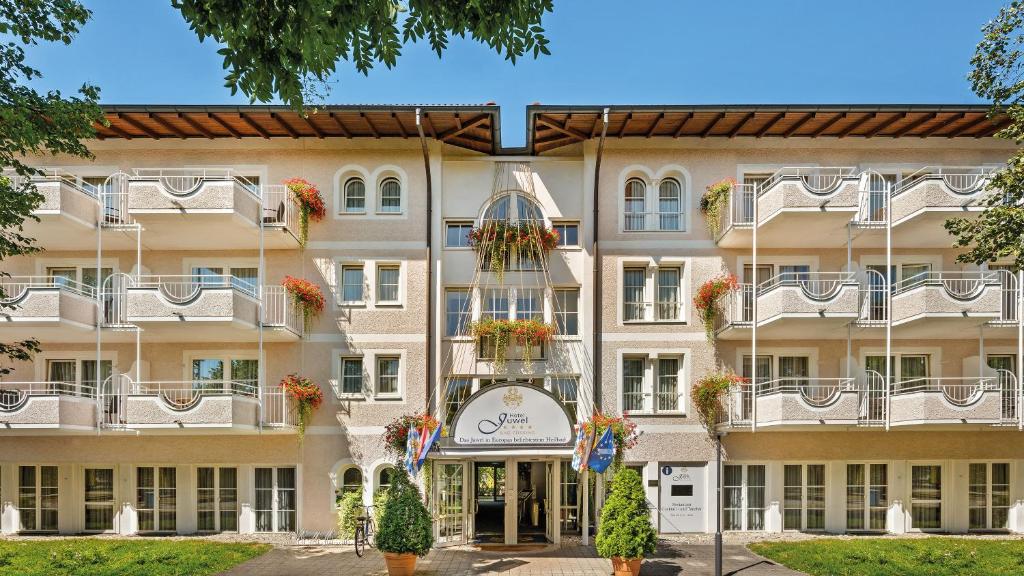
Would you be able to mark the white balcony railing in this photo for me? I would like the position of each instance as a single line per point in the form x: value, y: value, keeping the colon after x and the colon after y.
x: 814, y: 391
x: 667, y: 311
x: 180, y: 288
x: 816, y: 180
x: 959, y: 285
x: 818, y: 286
x: 280, y: 311
x: 961, y: 180
x: 182, y: 395
x: 15, y: 287
x: 279, y: 207
x: 186, y: 181
x: 957, y: 391
x: 276, y: 408
x: 659, y: 221
x: 14, y: 394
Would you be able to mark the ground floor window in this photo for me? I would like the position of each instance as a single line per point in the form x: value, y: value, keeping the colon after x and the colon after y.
x: 867, y: 496
x: 804, y: 497
x: 37, y: 498
x: 351, y: 481
x: 99, y: 499
x: 570, y: 516
x: 926, y: 497
x: 989, y: 496
x: 275, y: 500
x: 744, y: 496
x: 156, y: 498
x: 217, y: 499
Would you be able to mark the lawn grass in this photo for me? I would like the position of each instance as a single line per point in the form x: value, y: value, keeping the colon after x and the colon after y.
x: 902, y: 557
x: 128, y: 557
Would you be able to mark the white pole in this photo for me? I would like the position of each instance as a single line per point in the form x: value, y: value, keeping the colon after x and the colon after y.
x: 753, y: 319
x: 888, y: 301
x: 586, y: 508
x: 1020, y: 346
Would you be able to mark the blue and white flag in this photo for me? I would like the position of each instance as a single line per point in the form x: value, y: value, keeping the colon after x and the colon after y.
x: 581, y: 453
x: 412, y: 444
x: 427, y: 443
x: 603, y: 453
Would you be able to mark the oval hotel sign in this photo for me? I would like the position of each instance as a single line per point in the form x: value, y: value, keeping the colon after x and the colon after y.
x: 512, y: 414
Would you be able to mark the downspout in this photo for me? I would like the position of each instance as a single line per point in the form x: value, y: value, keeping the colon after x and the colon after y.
x: 430, y: 261
x: 597, y: 262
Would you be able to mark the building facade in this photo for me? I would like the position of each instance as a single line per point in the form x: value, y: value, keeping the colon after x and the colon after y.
x: 881, y: 388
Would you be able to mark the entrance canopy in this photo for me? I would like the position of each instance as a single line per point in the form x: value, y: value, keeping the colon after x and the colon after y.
x: 513, y: 416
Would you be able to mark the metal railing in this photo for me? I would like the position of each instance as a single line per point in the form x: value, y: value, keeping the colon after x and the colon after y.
x: 657, y: 221
x: 668, y: 310
x: 815, y: 180
x: 15, y: 287
x: 814, y: 285
x: 184, y: 395
x: 737, y: 306
x: 277, y: 410
x: 13, y: 395
x: 873, y: 199
x: 961, y: 180
x: 279, y: 310
x: 180, y: 288
x: 873, y: 399
x: 1009, y: 395
x: 279, y: 207
x: 958, y: 391
x: 813, y: 391
x: 1010, y: 293
x: 186, y: 181
x: 958, y: 284
x: 740, y: 408
x: 73, y: 181
x: 740, y: 211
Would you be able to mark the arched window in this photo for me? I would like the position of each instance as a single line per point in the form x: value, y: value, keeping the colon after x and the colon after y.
x: 390, y: 196
x: 670, y: 205
x: 385, y: 477
x: 522, y: 208
x: 351, y: 480
x: 355, y: 196
x: 636, y: 204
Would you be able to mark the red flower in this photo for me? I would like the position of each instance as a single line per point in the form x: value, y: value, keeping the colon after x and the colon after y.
x: 307, y: 197
x: 305, y: 293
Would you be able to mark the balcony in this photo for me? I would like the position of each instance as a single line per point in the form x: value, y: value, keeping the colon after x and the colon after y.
x: 67, y: 215
x: 946, y: 302
x: 225, y: 308
x: 797, y: 402
x: 210, y: 405
x: 37, y: 406
x: 818, y: 201
x: 661, y: 221
x: 52, y: 309
x: 187, y: 209
x: 990, y: 400
x: 930, y: 196
x: 808, y: 305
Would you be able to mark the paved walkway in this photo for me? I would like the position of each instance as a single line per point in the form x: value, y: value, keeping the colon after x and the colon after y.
x: 671, y: 559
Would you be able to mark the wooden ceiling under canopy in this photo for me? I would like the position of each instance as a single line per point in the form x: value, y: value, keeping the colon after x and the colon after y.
x: 472, y: 127
x: 552, y: 127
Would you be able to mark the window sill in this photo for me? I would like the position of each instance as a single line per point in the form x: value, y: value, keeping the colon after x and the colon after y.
x: 352, y: 304
x: 389, y: 304
x: 661, y: 414
x: 363, y: 213
x: 379, y: 213
x: 459, y: 248
x: 350, y: 396
x: 459, y: 338
x: 388, y: 398
x: 643, y: 322
x: 654, y: 231
x: 568, y: 338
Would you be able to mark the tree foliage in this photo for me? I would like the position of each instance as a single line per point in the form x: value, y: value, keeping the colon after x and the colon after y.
x: 404, y: 525
x: 998, y: 75
x: 34, y: 124
x: 289, y: 48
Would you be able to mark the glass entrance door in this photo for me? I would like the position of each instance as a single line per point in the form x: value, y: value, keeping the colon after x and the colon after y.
x: 450, y: 500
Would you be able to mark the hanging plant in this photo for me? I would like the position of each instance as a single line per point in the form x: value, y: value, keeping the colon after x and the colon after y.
x: 307, y: 296
x: 496, y: 239
x: 525, y: 333
x: 396, y: 433
x: 707, y: 300
x: 307, y: 395
x: 311, y: 205
x: 624, y: 433
x: 714, y: 200
x: 708, y: 397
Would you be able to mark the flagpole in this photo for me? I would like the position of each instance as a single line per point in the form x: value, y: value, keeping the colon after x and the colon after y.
x: 718, y: 504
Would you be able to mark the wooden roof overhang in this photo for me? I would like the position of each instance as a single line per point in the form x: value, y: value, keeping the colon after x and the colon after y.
x: 472, y: 127
x: 551, y: 127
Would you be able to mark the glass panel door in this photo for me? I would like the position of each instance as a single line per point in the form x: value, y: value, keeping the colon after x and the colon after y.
x: 989, y: 496
x: 451, y: 504
x: 926, y: 497
x: 99, y: 499
x: 37, y: 498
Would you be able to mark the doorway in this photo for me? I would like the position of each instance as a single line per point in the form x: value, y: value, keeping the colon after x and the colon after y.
x: 489, y: 515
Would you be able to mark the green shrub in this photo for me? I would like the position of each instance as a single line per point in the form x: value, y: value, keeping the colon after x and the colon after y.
x: 349, y: 508
x: 626, y: 529
x: 404, y: 524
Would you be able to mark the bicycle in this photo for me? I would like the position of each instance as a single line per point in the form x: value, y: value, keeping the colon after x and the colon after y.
x: 364, y: 531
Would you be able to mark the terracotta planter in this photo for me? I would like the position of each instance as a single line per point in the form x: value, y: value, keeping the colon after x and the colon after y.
x: 626, y: 566
x: 402, y: 564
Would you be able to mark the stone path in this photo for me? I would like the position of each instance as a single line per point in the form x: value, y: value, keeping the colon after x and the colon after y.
x: 671, y: 559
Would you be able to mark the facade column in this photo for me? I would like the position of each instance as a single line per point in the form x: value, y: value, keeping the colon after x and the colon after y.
x: 897, y: 520
x: 775, y: 496
x: 246, y: 498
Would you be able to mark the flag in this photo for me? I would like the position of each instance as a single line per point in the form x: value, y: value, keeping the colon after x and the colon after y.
x: 584, y: 443
x: 603, y: 452
x: 412, y: 442
x: 428, y: 441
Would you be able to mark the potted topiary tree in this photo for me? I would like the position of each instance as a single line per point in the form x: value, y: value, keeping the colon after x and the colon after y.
x: 404, y: 528
x: 625, y: 534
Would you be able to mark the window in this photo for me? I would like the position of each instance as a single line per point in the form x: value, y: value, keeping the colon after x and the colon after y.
x: 352, y: 284
x: 567, y: 311
x: 926, y: 497
x: 803, y: 497
x: 668, y: 395
x: 37, y: 498
x: 455, y: 395
x: 457, y: 311
x: 390, y: 196
x: 351, y: 375
x: 61, y: 375
x: 636, y: 197
x: 387, y: 283
x: 156, y: 501
x: 566, y: 389
x: 217, y: 499
x: 743, y: 497
x: 275, y: 500
x: 495, y: 304
x: 794, y: 372
x: 633, y: 281
x: 387, y: 375
x: 529, y: 304
x: 244, y: 279
x: 99, y: 499
x: 568, y: 234
x: 355, y: 196
x: 569, y: 493
x: 670, y: 205
x: 657, y: 378
x: 633, y: 384
x: 988, y: 496
x: 906, y: 370
x: 456, y: 234
x: 668, y: 294
x: 237, y: 375
x: 351, y: 480
x: 867, y: 496
x: 207, y: 374
x: 386, y: 477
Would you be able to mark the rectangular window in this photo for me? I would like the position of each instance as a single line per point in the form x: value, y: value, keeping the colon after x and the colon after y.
x: 566, y: 389
x: 275, y: 499
x: 61, y: 375
x: 37, y: 498
x: 668, y: 307
x: 495, y: 304
x: 457, y: 311
x: 352, y: 283
x: 633, y: 384
x: 867, y: 496
x: 456, y: 234
x: 804, y: 497
x: 351, y: 375
x: 387, y: 283
x: 90, y: 380
x: 668, y: 395
x: 99, y: 499
x: 913, y: 368
x: 743, y: 497
x: 208, y: 374
x: 567, y: 311
x: 387, y: 375
x: 245, y: 279
x: 458, y: 390
x: 793, y: 373
x: 217, y: 499
x: 989, y: 496
x: 926, y: 497
x: 156, y: 499
x: 529, y: 304
x: 633, y: 280
x: 568, y: 234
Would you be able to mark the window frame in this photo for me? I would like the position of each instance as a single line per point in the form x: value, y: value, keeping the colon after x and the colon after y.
x: 369, y: 374
x: 344, y: 209
x: 650, y: 362
x: 399, y: 295
x: 556, y: 224
x: 461, y: 225
x: 380, y: 196
x: 466, y: 313
x: 218, y: 509
x: 362, y: 286
x: 649, y: 311
x: 275, y: 499
x: 378, y: 359
x: 561, y: 316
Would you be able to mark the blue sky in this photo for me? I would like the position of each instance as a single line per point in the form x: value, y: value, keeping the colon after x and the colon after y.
x: 603, y: 52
